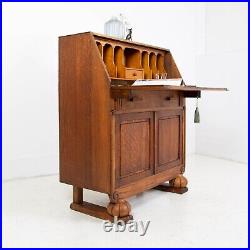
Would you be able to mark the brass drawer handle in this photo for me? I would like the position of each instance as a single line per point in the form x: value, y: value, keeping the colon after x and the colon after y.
x: 134, y: 74
x: 168, y: 98
x: 130, y: 96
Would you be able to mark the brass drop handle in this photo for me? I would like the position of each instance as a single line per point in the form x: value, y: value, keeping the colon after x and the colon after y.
x: 130, y: 96
x: 134, y: 74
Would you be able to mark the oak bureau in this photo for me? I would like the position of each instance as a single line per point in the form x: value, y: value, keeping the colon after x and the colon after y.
x: 116, y: 138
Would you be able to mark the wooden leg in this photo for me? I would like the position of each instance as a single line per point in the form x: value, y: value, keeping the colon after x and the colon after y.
x: 178, y: 185
x: 114, y: 209
x: 77, y: 195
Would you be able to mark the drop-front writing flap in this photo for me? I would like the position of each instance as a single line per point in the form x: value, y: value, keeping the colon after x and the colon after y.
x: 187, y: 91
x: 153, y: 82
x: 166, y: 87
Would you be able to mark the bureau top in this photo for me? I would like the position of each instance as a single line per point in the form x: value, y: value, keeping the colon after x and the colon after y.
x: 105, y: 37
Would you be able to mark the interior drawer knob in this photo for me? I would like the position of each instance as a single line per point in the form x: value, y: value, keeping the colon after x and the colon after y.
x: 134, y: 74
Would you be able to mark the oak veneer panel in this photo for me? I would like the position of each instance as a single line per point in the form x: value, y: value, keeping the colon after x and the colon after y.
x: 169, y: 136
x: 84, y: 114
x: 134, y: 147
x: 169, y: 139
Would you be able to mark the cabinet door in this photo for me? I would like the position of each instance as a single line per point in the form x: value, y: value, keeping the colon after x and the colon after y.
x: 134, y: 147
x: 168, y: 139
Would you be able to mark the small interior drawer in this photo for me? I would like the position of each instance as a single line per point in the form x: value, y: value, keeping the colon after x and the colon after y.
x: 131, y: 73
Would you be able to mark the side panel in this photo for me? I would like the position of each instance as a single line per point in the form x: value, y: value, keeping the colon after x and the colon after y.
x: 171, y: 67
x: 84, y: 114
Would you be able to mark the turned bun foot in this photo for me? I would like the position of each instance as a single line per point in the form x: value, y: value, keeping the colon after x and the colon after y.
x: 119, y: 209
x: 179, y: 182
x: 177, y: 185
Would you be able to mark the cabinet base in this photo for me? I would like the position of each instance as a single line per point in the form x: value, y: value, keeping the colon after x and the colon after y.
x: 97, y: 211
x: 114, y: 211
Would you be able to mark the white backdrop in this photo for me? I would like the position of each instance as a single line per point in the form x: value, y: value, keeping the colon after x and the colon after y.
x: 223, y: 131
x: 196, y: 39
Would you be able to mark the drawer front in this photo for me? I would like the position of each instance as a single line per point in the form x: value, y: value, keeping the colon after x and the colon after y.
x: 134, y: 73
x: 148, y: 100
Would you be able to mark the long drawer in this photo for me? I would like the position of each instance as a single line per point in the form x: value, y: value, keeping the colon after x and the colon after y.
x: 147, y: 100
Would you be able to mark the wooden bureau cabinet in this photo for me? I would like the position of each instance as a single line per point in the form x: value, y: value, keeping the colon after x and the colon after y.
x: 117, y: 138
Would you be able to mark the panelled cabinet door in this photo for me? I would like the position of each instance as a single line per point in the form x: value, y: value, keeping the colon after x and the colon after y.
x: 134, y: 147
x: 168, y: 139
